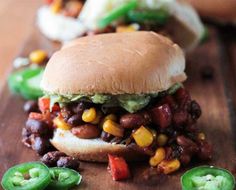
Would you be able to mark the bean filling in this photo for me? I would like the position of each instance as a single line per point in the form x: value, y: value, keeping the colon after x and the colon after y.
x: 165, y: 129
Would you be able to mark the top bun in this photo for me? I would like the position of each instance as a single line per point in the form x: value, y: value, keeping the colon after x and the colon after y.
x: 116, y: 63
x: 221, y: 10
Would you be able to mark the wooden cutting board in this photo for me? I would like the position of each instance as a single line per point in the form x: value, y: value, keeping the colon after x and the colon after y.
x: 212, y: 82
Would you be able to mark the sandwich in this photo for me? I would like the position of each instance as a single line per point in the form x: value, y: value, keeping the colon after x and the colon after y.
x: 174, y: 18
x: 120, y: 94
x: 57, y: 19
x: 216, y: 10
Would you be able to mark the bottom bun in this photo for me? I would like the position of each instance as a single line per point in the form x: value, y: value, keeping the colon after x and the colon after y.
x: 95, y: 150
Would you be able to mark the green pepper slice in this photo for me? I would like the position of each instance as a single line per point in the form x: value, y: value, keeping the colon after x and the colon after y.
x: 63, y: 178
x: 207, y: 178
x: 116, y: 13
x: 148, y: 17
x: 26, y: 176
x: 26, y: 82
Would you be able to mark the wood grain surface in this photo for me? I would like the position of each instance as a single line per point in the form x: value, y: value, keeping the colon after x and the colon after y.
x: 211, y: 70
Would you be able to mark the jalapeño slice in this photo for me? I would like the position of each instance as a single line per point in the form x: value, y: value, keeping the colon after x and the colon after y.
x: 27, y: 82
x: 26, y: 176
x: 63, y: 178
x: 207, y: 178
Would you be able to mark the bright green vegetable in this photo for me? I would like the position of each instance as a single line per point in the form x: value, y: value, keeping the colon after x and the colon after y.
x: 148, y: 16
x: 117, y: 13
x: 63, y: 178
x: 207, y: 178
x: 26, y: 82
x: 26, y: 176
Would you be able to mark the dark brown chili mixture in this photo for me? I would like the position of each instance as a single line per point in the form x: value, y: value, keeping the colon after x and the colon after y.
x: 165, y: 129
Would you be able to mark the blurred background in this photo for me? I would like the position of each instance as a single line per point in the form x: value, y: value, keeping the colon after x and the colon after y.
x: 17, y: 21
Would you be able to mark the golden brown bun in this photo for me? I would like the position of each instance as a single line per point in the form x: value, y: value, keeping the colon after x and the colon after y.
x: 117, y: 63
x: 221, y: 10
x: 94, y: 150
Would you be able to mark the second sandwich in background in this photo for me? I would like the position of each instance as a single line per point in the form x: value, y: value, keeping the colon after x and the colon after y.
x: 174, y: 18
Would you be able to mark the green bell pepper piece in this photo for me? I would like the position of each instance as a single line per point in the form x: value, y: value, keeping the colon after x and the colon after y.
x: 116, y: 13
x: 148, y: 16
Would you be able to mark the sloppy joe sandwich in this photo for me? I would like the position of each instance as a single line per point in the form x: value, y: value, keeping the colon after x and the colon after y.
x: 122, y: 94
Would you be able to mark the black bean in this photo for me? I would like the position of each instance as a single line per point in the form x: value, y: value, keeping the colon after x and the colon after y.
x: 31, y: 106
x: 106, y: 136
x: 66, y: 112
x: 51, y: 158
x: 68, y: 162
x: 41, y: 145
x: 38, y: 127
x: 75, y: 120
x: 79, y: 108
x: 195, y: 110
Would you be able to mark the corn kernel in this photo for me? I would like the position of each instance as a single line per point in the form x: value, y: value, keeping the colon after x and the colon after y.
x: 129, y: 28
x: 97, y: 119
x: 158, y: 157
x: 161, y: 139
x: 56, y: 6
x: 169, y: 166
x: 61, y: 124
x: 111, y: 117
x: 113, y: 128
x: 38, y: 56
x: 143, y: 137
x: 201, y: 136
x: 89, y: 115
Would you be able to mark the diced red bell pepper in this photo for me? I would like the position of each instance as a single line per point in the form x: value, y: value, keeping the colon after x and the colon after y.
x: 36, y: 116
x: 162, y: 115
x: 118, y: 168
x: 44, y: 104
x: 56, y: 107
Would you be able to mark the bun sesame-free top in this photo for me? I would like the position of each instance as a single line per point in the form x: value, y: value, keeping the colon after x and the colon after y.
x: 132, y: 63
